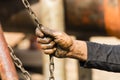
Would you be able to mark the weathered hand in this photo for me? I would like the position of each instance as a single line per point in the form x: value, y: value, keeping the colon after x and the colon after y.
x: 54, y: 42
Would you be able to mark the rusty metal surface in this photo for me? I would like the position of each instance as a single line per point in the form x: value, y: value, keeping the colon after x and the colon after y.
x: 7, y: 69
x: 80, y: 13
x: 112, y: 16
x: 83, y: 14
x: 86, y: 16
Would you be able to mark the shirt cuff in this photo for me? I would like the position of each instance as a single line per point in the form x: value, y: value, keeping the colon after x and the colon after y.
x: 103, y: 57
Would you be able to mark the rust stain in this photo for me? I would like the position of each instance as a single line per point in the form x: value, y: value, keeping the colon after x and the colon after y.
x: 7, y: 69
x: 112, y: 17
x: 84, y: 12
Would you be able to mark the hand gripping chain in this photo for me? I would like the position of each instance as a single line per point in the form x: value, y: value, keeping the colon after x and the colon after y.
x: 51, y: 65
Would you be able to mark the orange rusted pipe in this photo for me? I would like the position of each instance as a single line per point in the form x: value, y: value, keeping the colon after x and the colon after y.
x: 112, y: 17
x: 94, y: 15
x: 7, y: 69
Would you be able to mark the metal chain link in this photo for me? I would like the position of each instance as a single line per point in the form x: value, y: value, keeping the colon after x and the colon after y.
x: 51, y: 68
x: 28, y: 7
x: 19, y: 64
x: 51, y: 65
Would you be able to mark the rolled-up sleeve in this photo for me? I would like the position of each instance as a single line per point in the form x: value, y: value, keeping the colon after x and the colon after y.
x: 102, y: 56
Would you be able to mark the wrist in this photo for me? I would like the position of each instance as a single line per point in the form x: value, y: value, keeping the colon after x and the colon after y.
x: 78, y: 50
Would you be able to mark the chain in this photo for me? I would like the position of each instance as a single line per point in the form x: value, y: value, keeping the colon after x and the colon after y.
x: 51, y: 68
x: 28, y: 7
x: 19, y: 64
x: 51, y: 65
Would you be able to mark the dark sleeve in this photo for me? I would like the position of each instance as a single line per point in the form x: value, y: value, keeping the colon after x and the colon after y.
x: 104, y: 57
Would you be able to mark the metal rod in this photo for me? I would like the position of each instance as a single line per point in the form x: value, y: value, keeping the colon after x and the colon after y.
x: 7, y: 68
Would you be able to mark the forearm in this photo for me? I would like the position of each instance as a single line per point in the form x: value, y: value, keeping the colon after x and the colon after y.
x: 95, y: 55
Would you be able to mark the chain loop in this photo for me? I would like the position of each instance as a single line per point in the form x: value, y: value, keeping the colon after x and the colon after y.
x: 51, y: 68
x: 19, y: 64
x: 26, y: 3
x: 51, y: 65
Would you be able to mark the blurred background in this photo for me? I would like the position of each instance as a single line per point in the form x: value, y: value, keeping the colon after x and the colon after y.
x: 89, y: 20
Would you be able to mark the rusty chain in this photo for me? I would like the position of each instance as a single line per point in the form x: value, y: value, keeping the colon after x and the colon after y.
x: 51, y: 68
x: 28, y: 7
x: 19, y: 64
x: 51, y: 64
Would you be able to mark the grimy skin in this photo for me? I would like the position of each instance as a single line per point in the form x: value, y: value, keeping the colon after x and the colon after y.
x: 60, y: 44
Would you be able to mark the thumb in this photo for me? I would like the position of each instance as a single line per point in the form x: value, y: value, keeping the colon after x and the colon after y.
x: 48, y: 32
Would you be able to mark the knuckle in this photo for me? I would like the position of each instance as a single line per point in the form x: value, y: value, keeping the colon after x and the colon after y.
x: 38, y: 39
x: 38, y: 33
x: 52, y: 43
x: 54, y: 49
x: 50, y: 51
x: 43, y: 46
x: 47, y: 46
x: 47, y: 40
x: 44, y: 40
x: 46, y: 52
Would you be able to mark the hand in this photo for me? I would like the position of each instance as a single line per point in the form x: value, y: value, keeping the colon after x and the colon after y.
x: 54, y: 42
